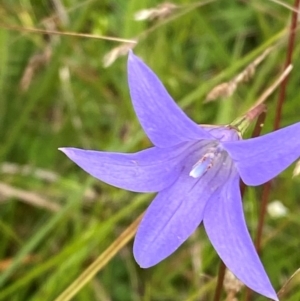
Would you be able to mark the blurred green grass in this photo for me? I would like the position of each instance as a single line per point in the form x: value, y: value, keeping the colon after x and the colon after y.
x: 72, y: 100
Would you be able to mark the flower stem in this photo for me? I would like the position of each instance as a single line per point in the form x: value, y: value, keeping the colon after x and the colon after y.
x: 259, y: 123
x: 220, y: 280
x: 290, y: 49
x: 276, y: 125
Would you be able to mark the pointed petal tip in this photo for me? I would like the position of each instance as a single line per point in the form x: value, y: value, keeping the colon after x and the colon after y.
x: 144, y: 262
x: 140, y: 258
x: 134, y: 61
x: 271, y: 295
x: 140, y: 263
x: 65, y: 150
x: 275, y: 298
x: 131, y: 56
x: 143, y: 265
x: 253, y: 159
x: 161, y: 118
x: 130, y: 52
x: 226, y: 228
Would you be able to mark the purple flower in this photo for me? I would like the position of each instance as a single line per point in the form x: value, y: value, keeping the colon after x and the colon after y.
x: 196, y: 172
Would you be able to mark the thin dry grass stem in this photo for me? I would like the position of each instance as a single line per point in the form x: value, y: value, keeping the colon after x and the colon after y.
x: 14, y: 169
x: 66, y: 33
x: 100, y: 290
x: 159, y: 12
x: 184, y: 10
x: 100, y: 262
x: 123, y: 49
x: 27, y: 170
x: 232, y: 286
x: 272, y: 88
x: 282, y: 291
x: 28, y: 197
x: 291, y: 8
x: 61, y: 12
x: 39, y: 60
x: 227, y: 89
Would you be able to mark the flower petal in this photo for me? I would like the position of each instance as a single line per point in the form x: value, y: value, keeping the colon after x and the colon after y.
x: 260, y: 159
x: 163, y: 121
x: 150, y: 170
x: 225, y: 225
x: 174, y: 215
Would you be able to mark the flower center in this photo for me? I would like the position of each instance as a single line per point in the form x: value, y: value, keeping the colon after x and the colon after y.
x: 206, y: 162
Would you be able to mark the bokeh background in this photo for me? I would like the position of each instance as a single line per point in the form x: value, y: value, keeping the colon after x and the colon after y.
x: 55, y: 220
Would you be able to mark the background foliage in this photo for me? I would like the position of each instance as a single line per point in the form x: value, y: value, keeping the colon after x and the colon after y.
x: 55, y: 220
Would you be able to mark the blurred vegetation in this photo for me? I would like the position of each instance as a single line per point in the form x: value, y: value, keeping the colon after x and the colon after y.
x: 56, y: 219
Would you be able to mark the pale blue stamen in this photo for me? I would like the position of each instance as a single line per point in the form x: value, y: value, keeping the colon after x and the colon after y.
x: 206, y: 162
x: 199, y: 169
x: 202, y: 165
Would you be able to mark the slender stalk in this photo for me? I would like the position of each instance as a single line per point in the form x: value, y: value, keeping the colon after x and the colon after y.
x: 261, y: 218
x: 258, y: 126
x: 66, y: 33
x: 276, y: 125
x: 219, y: 287
x: 290, y: 49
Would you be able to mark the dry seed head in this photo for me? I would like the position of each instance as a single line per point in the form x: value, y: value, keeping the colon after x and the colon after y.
x: 159, y: 12
x: 231, y: 285
x: 227, y: 89
x: 116, y: 52
x: 36, y: 62
x: 39, y: 60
